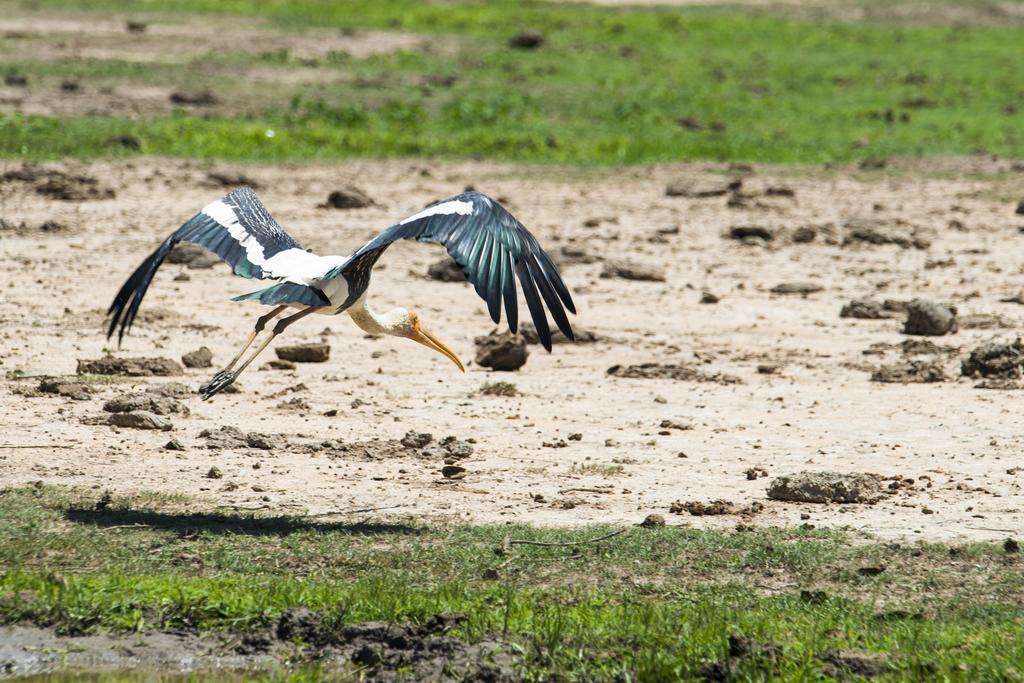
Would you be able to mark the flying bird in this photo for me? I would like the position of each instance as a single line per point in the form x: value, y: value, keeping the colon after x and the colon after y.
x: 490, y: 246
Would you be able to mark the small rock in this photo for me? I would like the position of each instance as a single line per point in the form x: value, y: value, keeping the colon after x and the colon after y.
x: 568, y: 255
x: 214, y: 473
x: 984, y: 321
x: 200, y: 358
x: 199, y: 98
x: 192, y: 255
x: 827, y: 487
x: 446, y: 270
x: 304, y: 353
x: 348, y: 197
x: 699, y: 509
x: 1011, y: 545
x: 910, y: 372
x: 803, y: 288
x: 413, y: 439
x: 135, y: 26
x: 145, y: 401
x: 804, y: 234
x: 742, y: 232
x: 864, y: 309
x: 707, y: 297
x: 130, y: 367
x: 653, y: 521
x: 1002, y: 360
x: 630, y: 270
x: 929, y: 318
x: 756, y: 472
x: 680, y: 424
x: 277, y: 365
x: 15, y: 80
x: 174, y: 445
x: 77, y: 391
x: 501, y: 351
x: 871, y: 231
x: 140, y: 419
x: 698, y: 188
x: 229, y: 179
x: 453, y: 472
x: 70, y: 85
x: 527, y: 40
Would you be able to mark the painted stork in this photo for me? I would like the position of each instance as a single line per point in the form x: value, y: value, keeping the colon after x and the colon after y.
x: 484, y: 239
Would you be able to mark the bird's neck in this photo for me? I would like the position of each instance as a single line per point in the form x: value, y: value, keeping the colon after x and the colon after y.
x: 371, y: 322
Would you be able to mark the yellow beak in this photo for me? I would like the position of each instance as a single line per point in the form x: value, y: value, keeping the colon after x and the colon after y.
x: 431, y: 342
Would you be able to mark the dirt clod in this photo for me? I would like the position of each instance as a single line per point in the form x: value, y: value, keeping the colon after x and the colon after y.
x: 653, y: 521
x: 707, y: 297
x: 744, y: 232
x: 864, y: 309
x: 698, y: 188
x: 631, y: 270
x: 446, y: 270
x: 200, y: 358
x: 348, y: 197
x: 144, y: 400
x: 701, y: 509
x: 529, y: 333
x: 214, y: 473
x: 929, y: 318
x: 827, y: 487
x: 1000, y: 360
x: 413, y: 439
x: 527, y: 40
x: 140, y: 419
x: 130, y: 367
x: 304, y: 353
x: 502, y: 351
x: 910, y: 372
x: 70, y: 388
x: 453, y: 472
x: 683, y: 373
x: 229, y: 179
x: 803, y: 288
x: 194, y: 98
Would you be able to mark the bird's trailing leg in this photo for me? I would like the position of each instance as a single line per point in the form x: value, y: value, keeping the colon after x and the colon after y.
x: 225, y: 377
x: 261, y: 324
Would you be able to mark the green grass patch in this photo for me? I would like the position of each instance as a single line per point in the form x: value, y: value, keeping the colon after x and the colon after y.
x: 608, y: 86
x: 645, y: 604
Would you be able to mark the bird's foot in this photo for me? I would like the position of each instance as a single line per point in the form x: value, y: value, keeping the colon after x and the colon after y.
x: 220, y: 381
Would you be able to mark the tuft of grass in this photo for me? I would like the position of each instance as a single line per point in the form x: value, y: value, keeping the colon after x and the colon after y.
x: 608, y: 86
x: 499, y: 389
x: 646, y: 604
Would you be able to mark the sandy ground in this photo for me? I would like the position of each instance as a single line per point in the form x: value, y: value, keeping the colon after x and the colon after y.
x: 816, y: 410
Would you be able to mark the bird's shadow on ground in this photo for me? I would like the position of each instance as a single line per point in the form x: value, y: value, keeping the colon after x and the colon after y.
x: 187, y: 524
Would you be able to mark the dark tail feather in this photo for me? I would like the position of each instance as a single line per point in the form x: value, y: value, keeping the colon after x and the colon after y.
x: 123, y: 310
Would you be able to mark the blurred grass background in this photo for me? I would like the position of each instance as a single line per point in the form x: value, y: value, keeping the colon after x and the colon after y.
x: 606, y: 86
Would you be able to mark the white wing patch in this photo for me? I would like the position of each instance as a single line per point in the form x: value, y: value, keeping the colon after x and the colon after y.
x: 295, y: 265
x: 446, y: 208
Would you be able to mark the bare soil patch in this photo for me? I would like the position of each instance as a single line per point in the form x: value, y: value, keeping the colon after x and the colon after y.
x: 782, y: 382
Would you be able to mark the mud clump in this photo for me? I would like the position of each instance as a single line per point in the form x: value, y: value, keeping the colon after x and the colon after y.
x: 679, y: 373
x: 501, y: 351
x: 529, y: 333
x: 827, y: 487
x: 231, y: 437
x: 348, y: 197
x: 802, y: 288
x: 55, y: 184
x: 446, y: 270
x: 699, y: 509
x: 192, y: 255
x: 140, y: 419
x: 624, y: 269
x: 748, y: 232
x: 149, y: 402
x: 193, y: 98
x: 229, y: 179
x: 910, y: 372
x: 929, y: 318
x: 50, y: 227
x: 528, y: 40
x: 702, y: 188
x: 984, y: 321
x: 414, y: 439
x: 998, y: 360
x: 865, y: 309
x: 69, y: 388
x: 868, y: 231
x: 130, y: 367
x: 304, y: 353
x: 200, y: 358
x: 567, y: 255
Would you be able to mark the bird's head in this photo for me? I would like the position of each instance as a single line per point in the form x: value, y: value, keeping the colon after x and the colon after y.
x: 411, y: 328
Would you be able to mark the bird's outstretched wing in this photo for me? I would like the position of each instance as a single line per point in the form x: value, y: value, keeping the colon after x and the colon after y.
x: 490, y: 246
x: 237, y: 228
